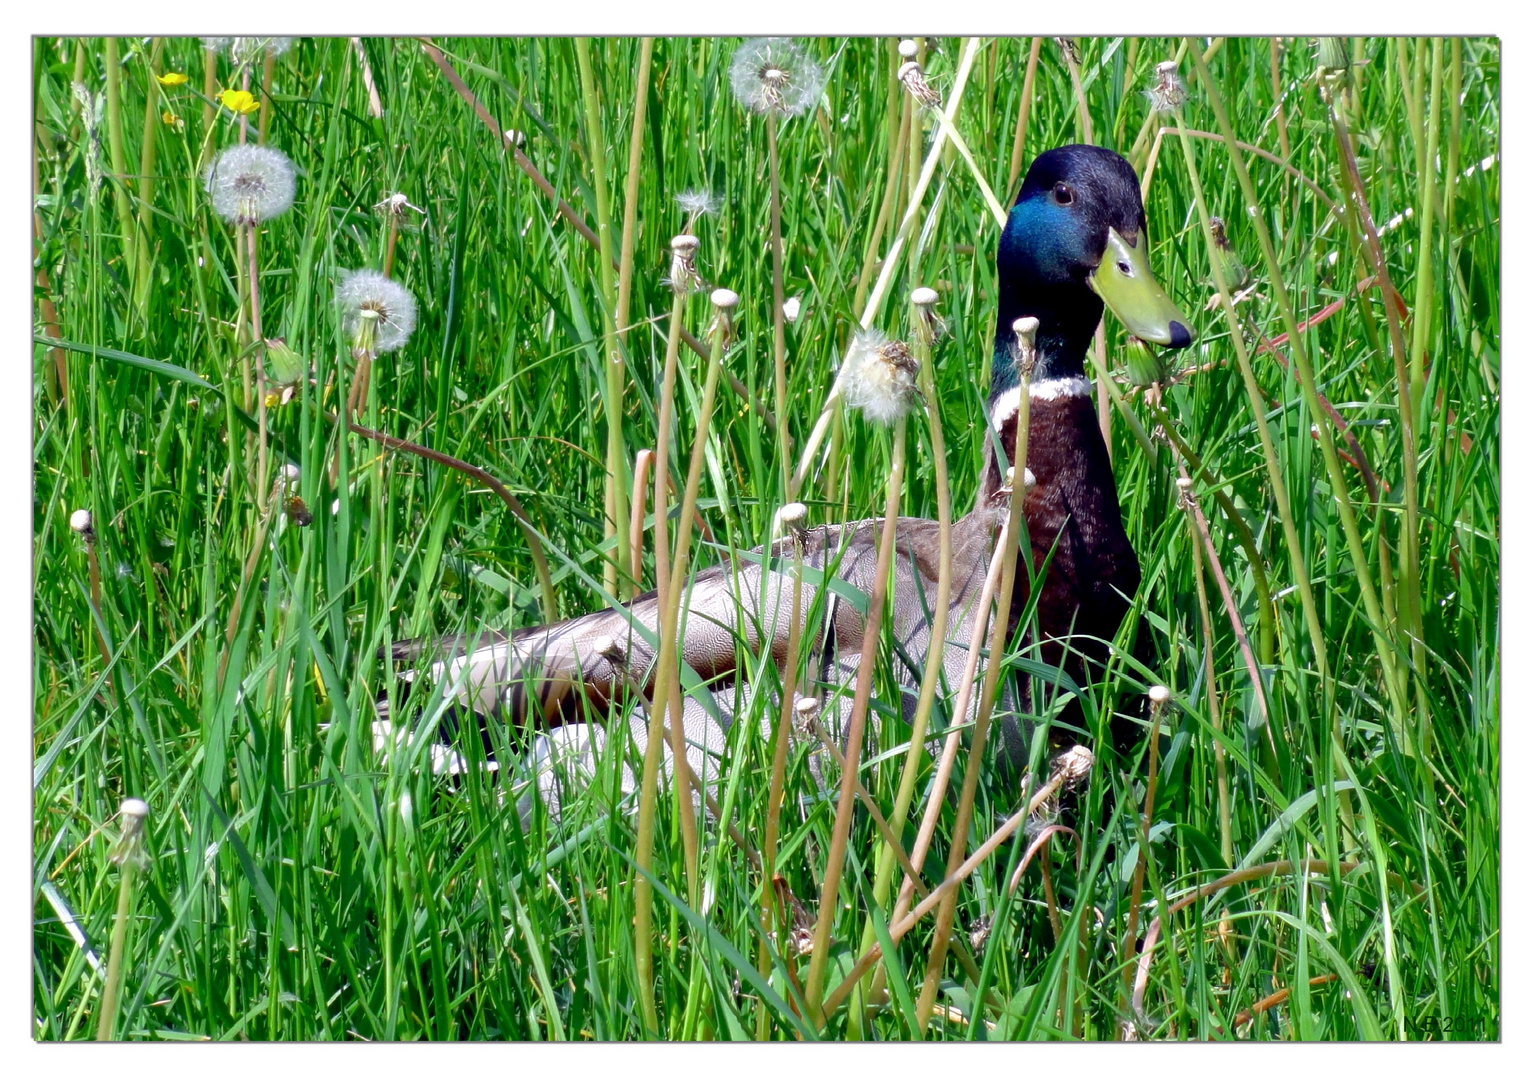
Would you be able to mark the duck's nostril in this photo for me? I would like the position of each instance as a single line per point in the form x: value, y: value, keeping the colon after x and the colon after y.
x: 1180, y: 335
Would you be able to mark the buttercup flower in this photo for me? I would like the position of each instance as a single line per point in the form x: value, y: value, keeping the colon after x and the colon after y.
x: 171, y: 78
x: 774, y: 75
x: 239, y: 101
x: 249, y: 184
x: 377, y: 309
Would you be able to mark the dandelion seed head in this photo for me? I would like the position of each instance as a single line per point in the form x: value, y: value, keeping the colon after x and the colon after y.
x: 880, y: 377
x: 246, y: 49
x: 775, y: 76
x: 214, y: 44
x: 1168, y: 93
x: 924, y: 296
x: 792, y: 309
x: 249, y: 184
x: 724, y: 299
x: 1158, y: 696
x: 80, y: 521
x: 907, y: 48
x: 396, y: 204
x: 369, y: 296
x: 697, y: 201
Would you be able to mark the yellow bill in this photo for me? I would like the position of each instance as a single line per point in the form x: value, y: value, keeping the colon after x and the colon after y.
x: 1128, y: 287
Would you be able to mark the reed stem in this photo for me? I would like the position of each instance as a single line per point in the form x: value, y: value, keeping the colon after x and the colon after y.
x: 617, y: 479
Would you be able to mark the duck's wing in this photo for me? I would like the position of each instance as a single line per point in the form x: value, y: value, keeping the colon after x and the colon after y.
x: 540, y: 674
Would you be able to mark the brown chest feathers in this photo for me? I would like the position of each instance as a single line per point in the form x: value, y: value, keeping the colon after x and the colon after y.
x: 1071, y: 514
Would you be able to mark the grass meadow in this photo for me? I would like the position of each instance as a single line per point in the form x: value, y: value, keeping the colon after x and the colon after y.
x: 1309, y: 849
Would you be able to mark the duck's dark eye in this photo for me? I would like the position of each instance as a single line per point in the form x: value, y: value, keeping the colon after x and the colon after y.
x: 1062, y: 193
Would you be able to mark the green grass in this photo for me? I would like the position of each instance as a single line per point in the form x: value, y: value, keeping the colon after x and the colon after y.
x: 301, y: 888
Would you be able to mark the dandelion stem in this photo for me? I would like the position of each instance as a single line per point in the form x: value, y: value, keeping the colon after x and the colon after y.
x: 901, y: 924
x: 777, y: 269
x: 259, y: 344
x: 669, y: 629
x: 854, y: 738
x: 1014, y: 535
x: 643, y: 460
x: 1220, y: 755
x: 924, y: 353
x: 107, y: 1011
x: 564, y: 208
x: 889, y: 266
x: 1304, y: 368
x: 788, y: 689
x: 646, y: 817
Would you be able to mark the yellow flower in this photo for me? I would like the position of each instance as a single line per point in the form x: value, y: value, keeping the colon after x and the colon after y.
x: 171, y: 78
x: 170, y: 119
x: 239, y: 101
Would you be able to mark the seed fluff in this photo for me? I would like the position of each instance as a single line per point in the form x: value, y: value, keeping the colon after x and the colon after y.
x: 775, y: 76
x: 250, y: 184
x: 879, y: 377
x: 369, y: 296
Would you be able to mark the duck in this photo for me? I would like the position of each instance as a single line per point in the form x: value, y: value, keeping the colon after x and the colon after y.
x: 1075, y: 243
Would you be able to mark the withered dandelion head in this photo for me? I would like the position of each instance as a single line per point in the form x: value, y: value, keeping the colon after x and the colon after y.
x: 912, y: 78
x: 1168, y: 93
x: 129, y: 849
x: 250, y: 184
x: 378, y: 315
x: 775, y: 76
x: 683, y: 277
x: 880, y: 377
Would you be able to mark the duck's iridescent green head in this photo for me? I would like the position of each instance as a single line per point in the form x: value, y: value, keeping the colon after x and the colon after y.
x: 1077, y: 241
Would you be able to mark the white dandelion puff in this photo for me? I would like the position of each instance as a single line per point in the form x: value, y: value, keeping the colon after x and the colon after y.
x: 247, y: 49
x: 374, y: 305
x: 214, y: 44
x: 697, y: 202
x: 880, y: 377
x: 792, y: 309
x: 250, y: 184
x: 1168, y: 92
x: 775, y: 76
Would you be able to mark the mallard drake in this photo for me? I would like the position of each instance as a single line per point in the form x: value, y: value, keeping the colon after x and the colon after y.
x: 1075, y: 242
